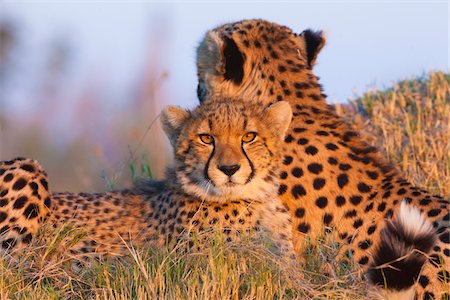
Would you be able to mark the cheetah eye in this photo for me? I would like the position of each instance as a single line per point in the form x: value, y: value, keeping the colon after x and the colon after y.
x: 206, y: 139
x: 249, y: 137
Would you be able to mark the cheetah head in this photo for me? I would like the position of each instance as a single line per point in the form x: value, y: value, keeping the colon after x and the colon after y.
x: 227, y: 150
x: 243, y: 59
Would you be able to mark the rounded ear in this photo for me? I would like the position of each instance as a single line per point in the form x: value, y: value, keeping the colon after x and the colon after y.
x: 172, y: 119
x: 279, y: 116
x: 220, y: 55
x: 314, y: 42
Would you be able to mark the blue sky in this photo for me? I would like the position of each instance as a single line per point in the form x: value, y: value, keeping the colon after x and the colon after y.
x: 369, y: 43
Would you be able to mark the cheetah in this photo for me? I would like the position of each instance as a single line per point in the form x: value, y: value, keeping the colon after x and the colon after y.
x: 225, y: 176
x: 332, y: 181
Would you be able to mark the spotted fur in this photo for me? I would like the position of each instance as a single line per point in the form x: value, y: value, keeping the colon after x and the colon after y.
x: 200, y: 196
x: 332, y: 181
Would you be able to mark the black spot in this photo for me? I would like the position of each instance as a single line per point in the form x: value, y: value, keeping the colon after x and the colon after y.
x: 31, y: 211
x: 20, y: 202
x: 47, y: 202
x: 44, y: 183
x: 424, y: 202
x: 257, y: 44
x: 318, y: 183
x: 369, y: 207
x: 4, y: 229
x: 372, y: 175
x: 304, y: 227
x: 355, y: 200
x: 19, y: 184
x: 315, y: 168
x: 348, y: 135
x: 3, y: 202
x: 340, y: 200
x: 364, y: 188
x: 299, y: 129
x: 358, y: 223
x: 424, y: 281
x: 302, y: 141
x: 363, y: 245
x: 434, y: 212
x: 298, y: 191
x: 371, y: 229
x: 350, y: 214
x: 447, y: 252
x: 287, y: 160
x: 3, y: 216
x: 322, y: 202
x: 27, y: 167
x: 331, y: 146
x: 34, y: 186
x: 297, y: 172
x: 283, y: 175
x: 289, y: 138
x: 342, y: 180
x: 300, y: 212
x: 8, y: 177
x: 27, y: 238
x: 364, y: 260
x: 311, y: 150
x: 344, y: 167
x: 332, y: 161
x: 389, y: 214
x: 327, y: 218
x: 445, y: 238
x: 382, y: 206
x: 282, y: 189
x: 401, y: 191
x: 9, y: 243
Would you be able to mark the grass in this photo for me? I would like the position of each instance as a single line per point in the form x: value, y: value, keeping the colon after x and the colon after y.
x: 410, y: 122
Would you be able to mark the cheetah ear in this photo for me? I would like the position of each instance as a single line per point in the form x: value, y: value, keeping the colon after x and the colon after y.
x: 279, y: 116
x: 314, y: 42
x: 172, y: 120
x: 220, y: 55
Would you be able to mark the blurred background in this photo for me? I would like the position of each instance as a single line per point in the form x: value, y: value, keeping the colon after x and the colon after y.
x: 82, y: 84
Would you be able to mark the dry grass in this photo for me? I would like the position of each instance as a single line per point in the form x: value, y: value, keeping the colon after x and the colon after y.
x: 409, y: 122
x: 214, y: 271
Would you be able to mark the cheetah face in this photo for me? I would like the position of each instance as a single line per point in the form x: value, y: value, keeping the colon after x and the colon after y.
x: 225, y: 150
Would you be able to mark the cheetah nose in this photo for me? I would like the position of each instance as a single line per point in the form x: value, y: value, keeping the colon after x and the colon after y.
x: 229, y: 170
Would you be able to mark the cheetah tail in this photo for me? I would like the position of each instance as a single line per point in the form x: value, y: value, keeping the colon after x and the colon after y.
x: 401, y: 253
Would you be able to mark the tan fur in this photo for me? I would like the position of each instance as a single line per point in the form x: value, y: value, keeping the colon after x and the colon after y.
x: 330, y: 178
x: 24, y: 202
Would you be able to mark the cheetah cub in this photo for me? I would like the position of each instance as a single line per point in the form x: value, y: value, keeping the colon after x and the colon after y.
x: 227, y: 155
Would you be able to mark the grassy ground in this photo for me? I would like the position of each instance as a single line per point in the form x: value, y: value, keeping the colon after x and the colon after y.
x: 409, y: 122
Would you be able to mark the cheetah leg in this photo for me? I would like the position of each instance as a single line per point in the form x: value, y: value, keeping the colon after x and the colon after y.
x: 277, y: 221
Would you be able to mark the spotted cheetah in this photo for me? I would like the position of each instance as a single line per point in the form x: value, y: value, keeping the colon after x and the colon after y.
x: 225, y: 176
x: 330, y: 177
